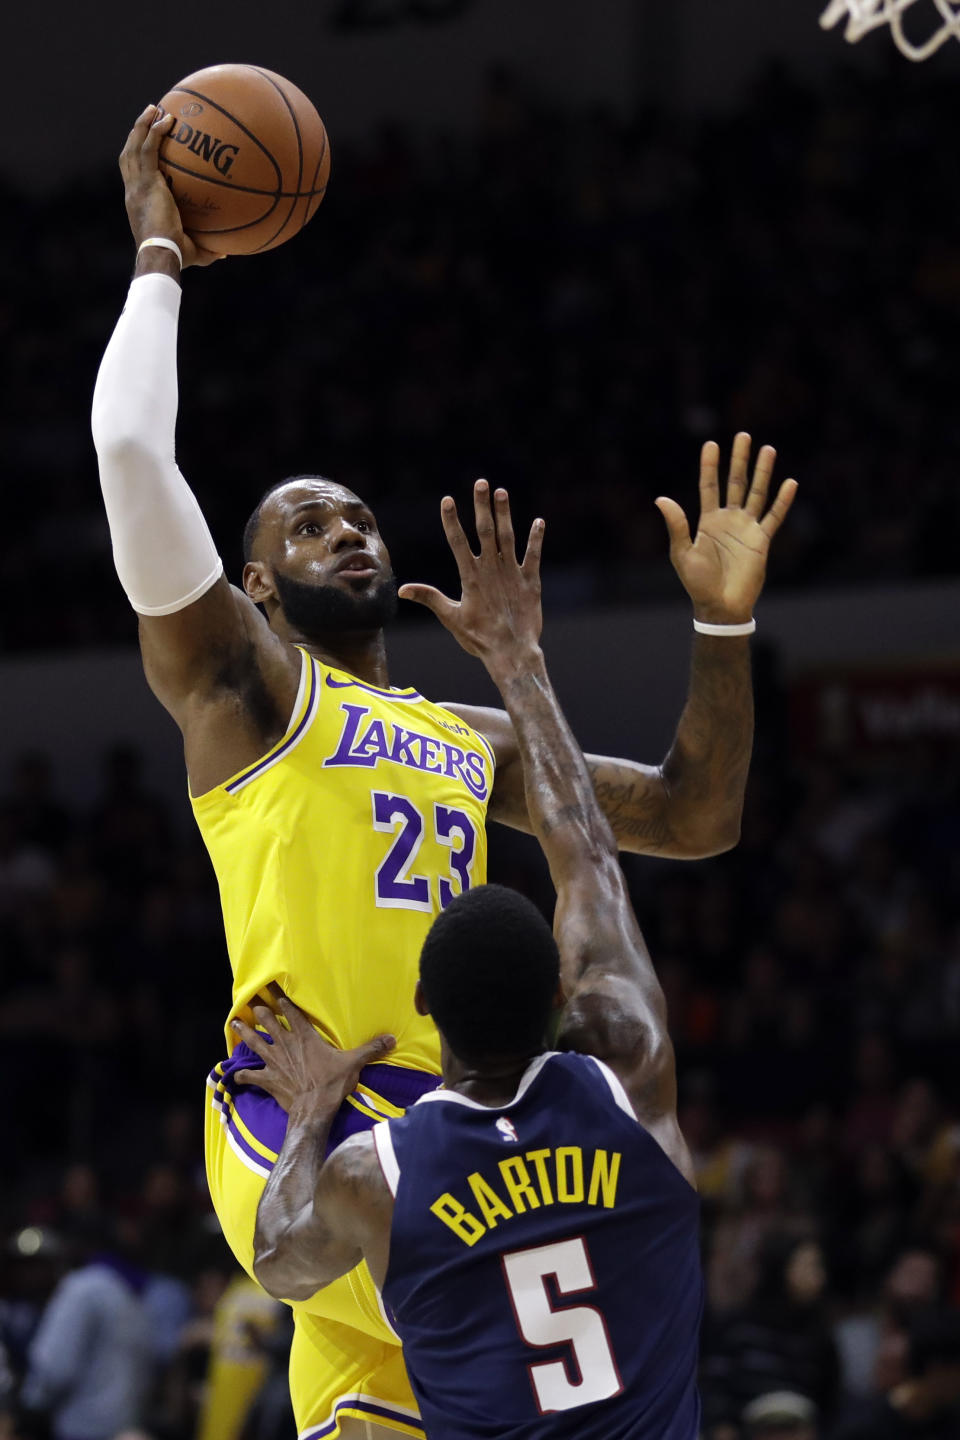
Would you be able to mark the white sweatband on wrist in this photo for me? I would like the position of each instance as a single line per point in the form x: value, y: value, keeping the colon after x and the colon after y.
x: 703, y: 628
x: 162, y: 548
x: 164, y: 244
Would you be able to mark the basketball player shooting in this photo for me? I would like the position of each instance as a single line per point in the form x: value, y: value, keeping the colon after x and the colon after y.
x: 341, y: 813
x: 534, y: 1225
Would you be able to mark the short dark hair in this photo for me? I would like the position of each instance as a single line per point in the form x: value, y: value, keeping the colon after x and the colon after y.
x: 489, y: 971
x: 253, y: 524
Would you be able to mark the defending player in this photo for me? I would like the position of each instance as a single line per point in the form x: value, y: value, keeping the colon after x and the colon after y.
x: 536, y: 1245
x: 340, y: 813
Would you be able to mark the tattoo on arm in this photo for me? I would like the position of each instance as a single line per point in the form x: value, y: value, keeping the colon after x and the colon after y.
x: 706, y: 769
x: 691, y: 805
x: 636, y: 805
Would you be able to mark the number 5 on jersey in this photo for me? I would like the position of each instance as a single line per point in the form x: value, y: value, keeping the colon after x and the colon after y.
x: 396, y: 885
x: 542, y: 1326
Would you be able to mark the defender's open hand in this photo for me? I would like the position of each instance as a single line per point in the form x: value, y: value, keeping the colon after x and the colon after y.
x: 498, y: 615
x: 724, y: 567
x: 298, y: 1066
x: 151, y: 208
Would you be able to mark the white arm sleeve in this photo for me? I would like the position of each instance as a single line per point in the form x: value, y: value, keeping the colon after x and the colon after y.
x: 162, y: 548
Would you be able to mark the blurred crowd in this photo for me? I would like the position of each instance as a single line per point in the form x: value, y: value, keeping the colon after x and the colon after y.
x: 567, y: 302
x: 813, y: 979
x: 118, y: 1296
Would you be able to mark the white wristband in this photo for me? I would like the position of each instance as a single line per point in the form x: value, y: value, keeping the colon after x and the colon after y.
x: 165, y: 244
x: 702, y: 628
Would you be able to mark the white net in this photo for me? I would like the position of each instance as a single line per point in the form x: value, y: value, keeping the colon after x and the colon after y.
x: 862, y: 16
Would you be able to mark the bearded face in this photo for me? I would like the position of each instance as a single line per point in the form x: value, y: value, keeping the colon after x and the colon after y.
x: 317, y: 611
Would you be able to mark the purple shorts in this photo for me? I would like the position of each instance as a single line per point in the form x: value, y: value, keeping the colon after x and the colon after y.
x: 262, y: 1116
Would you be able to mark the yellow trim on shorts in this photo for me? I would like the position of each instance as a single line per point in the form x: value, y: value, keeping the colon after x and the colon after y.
x: 385, y: 1108
x: 251, y: 1139
x: 364, y: 1109
x: 228, y: 1111
x: 352, y: 1407
x: 388, y: 1422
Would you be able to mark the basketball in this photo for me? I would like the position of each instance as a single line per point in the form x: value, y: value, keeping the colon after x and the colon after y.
x: 247, y: 158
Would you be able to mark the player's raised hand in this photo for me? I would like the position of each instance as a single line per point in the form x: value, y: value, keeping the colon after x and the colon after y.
x: 300, y: 1068
x: 151, y: 208
x: 723, y: 568
x: 498, y: 615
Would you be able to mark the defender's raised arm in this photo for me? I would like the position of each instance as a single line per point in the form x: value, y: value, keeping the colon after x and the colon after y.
x: 614, y: 1005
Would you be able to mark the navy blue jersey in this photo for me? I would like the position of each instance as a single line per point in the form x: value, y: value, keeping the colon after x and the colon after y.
x: 544, y: 1271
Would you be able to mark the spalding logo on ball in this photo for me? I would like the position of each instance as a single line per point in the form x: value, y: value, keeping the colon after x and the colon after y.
x: 247, y: 159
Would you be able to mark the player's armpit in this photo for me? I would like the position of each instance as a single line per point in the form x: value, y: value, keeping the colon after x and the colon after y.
x: 227, y: 680
x: 184, y: 650
x: 219, y: 643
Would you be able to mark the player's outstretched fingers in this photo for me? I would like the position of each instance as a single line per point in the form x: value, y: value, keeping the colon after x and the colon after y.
x: 483, y: 519
x: 158, y: 132
x: 531, y: 557
x: 441, y: 605
x: 676, y: 521
x: 709, y: 477
x: 778, y: 511
x: 760, y: 487
x: 506, y: 542
x: 739, y: 469
x: 135, y: 139
x: 456, y: 537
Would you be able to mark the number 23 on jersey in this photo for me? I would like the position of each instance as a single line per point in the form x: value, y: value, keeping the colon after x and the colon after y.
x: 397, y: 883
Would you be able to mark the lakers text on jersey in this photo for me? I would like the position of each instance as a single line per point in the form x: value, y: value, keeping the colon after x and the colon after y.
x: 335, y: 851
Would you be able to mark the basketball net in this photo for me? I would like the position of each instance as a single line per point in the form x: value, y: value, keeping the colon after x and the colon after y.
x: 862, y: 16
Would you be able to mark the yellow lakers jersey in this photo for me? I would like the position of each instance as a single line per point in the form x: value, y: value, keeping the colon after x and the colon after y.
x: 335, y: 851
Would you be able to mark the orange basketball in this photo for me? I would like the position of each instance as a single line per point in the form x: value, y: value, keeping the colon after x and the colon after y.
x: 247, y: 158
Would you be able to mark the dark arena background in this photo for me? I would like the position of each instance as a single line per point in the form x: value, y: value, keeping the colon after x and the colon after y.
x: 562, y: 245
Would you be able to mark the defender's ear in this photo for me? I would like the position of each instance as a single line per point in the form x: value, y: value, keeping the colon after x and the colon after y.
x: 420, y: 1001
